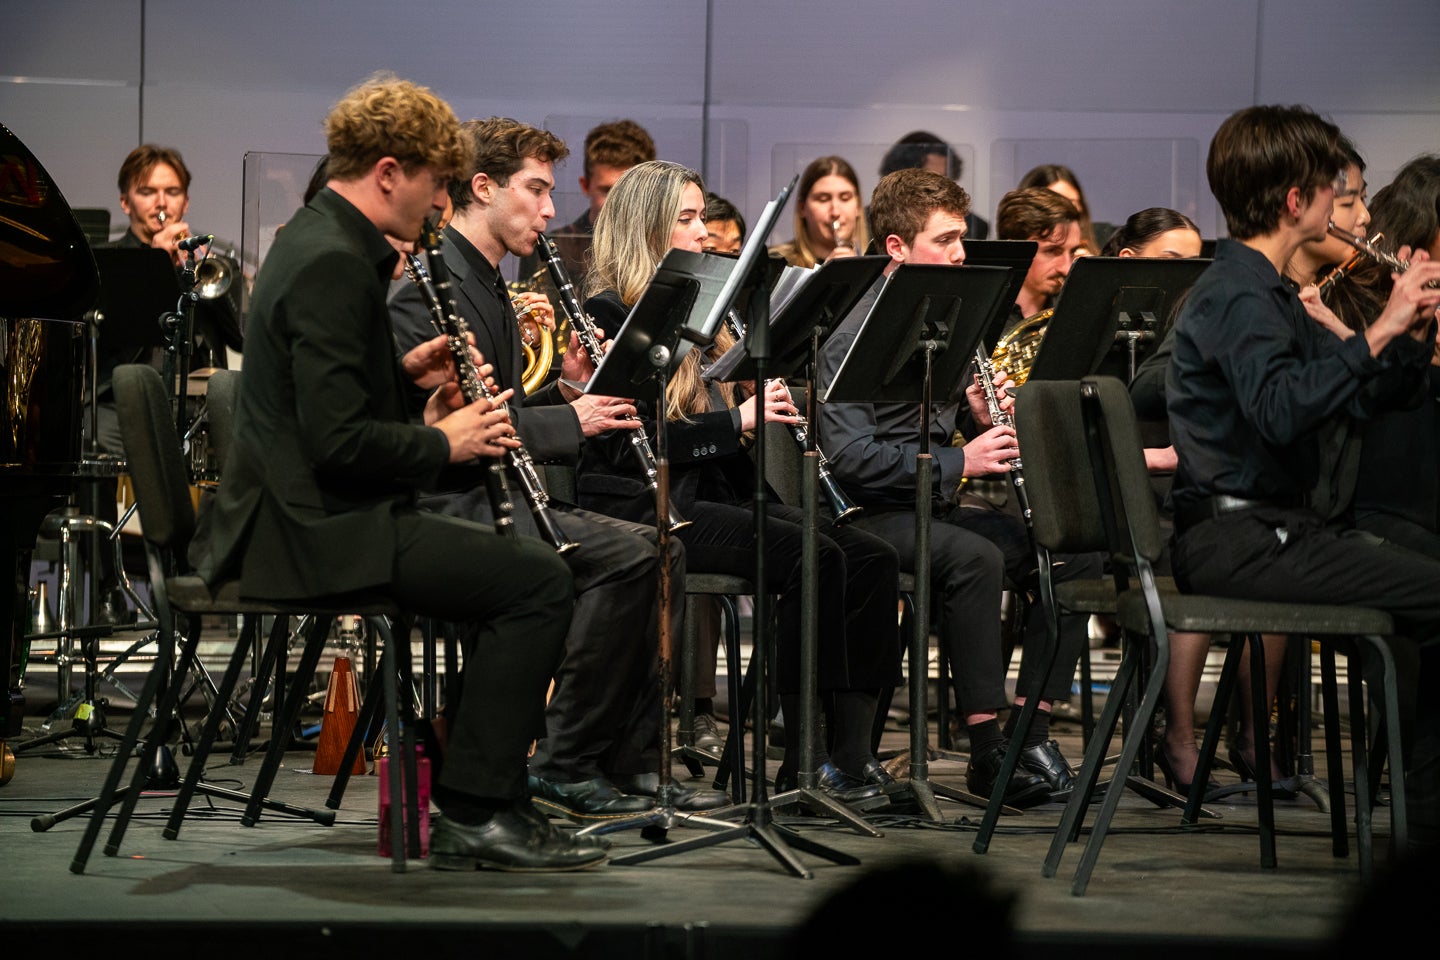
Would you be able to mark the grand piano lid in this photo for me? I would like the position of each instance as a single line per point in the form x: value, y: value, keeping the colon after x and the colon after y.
x: 46, y: 268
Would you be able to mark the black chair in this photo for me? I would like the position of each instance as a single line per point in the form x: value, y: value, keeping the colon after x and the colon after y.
x: 1122, y: 493
x: 167, y: 518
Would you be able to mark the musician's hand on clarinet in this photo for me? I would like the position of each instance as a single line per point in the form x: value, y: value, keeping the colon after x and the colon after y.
x: 778, y: 407
x: 575, y: 366
x: 430, y: 364
x: 599, y: 414
x: 480, y: 429
x: 979, y: 407
x: 991, y: 452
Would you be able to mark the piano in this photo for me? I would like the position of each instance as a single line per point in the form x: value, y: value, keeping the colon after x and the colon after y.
x: 48, y: 282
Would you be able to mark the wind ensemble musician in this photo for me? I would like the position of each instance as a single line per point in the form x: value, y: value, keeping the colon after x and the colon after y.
x: 319, y: 498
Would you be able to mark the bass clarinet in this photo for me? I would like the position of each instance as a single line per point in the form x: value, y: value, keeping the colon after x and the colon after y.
x: 584, y: 328
x: 434, y: 284
x: 998, y: 417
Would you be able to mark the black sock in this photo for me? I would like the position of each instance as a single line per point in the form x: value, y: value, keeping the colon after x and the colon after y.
x: 705, y: 705
x: 1039, y: 729
x: 985, y: 735
x: 853, y: 718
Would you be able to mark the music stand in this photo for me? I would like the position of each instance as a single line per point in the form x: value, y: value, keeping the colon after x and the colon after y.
x: 1109, y: 308
x: 649, y: 346
x: 795, y: 334
x: 1013, y: 254
x: 920, y: 335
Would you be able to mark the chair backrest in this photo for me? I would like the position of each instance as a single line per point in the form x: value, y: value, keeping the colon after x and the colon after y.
x: 153, y: 457
x: 220, y: 396
x: 1058, y: 474
x: 1114, y: 434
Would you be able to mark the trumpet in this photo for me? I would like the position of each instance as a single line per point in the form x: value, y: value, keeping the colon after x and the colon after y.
x: 841, y: 507
x: 434, y: 285
x: 584, y: 328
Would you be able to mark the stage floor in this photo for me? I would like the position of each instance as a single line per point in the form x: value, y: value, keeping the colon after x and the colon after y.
x: 225, y: 889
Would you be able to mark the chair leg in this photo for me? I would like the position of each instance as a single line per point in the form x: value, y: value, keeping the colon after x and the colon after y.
x: 1090, y: 766
x: 1334, y: 766
x: 1264, y: 793
x: 1219, y: 706
x: 208, y: 733
x: 249, y: 725
x: 1130, y: 750
x: 1399, y: 815
x: 1361, y: 765
x: 286, y: 716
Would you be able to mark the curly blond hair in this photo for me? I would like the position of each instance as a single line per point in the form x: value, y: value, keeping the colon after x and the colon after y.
x: 385, y: 116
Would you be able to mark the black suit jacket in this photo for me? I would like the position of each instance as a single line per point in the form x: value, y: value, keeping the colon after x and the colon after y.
x: 701, y: 451
x: 547, y: 424
x: 324, y: 454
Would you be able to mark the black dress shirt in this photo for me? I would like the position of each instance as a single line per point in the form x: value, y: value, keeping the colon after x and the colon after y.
x: 1254, y: 381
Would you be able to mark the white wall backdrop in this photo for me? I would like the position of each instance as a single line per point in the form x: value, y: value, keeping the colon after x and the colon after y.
x: 1127, y: 92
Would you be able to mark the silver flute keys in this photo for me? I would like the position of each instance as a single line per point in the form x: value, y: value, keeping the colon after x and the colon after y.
x: 584, y: 328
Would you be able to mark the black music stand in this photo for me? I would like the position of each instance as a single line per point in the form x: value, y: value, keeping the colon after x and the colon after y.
x: 1015, y: 255
x: 699, y: 327
x: 795, y: 334
x: 1110, y: 315
x: 920, y: 336
x: 661, y: 327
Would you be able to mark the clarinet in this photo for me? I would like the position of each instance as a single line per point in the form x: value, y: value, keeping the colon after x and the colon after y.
x: 435, y: 287
x: 584, y: 328
x: 843, y: 509
x: 1000, y: 418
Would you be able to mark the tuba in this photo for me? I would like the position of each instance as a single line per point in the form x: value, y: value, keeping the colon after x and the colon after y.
x: 1018, y: 346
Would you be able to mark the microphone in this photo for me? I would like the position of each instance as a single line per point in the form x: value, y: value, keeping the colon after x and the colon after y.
x: 192, y: 243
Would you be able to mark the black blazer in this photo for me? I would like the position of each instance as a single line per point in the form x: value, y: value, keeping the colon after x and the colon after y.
x: 324, y: 454
x: 703, y: 465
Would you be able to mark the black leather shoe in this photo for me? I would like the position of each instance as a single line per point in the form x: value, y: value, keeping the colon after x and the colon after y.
x: 845, y: 788
x: 597, y: 799
x: 686, y: 799
x: 708, y: 739
x: 874, y: 772
x: 1025, y: 789
x: 509, y: 841
x: 1047, y: 760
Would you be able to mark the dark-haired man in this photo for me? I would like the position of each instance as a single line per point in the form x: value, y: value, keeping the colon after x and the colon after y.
x: 599, y: 758
x: 1255, y: 381
x: 1044, y: 216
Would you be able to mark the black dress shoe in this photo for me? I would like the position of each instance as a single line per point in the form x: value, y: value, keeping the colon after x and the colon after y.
x: 1025, y: 789
x: 708, y: 739
x: 1047, y: 760
x: 597, y: 799
x: 510, y: 840
x: 686, y: 799
x: 874, y: 772
x: 839, y: 785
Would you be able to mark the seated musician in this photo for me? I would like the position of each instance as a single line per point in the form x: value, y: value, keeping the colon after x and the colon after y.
x: 600, y: 755
x: 920, y: 218
x: 318, y: 502
x: 1062, y: 180
x: 1258, y: 377
x: 1035, y: 213
x: 655, y: 207
x: 829, y: 215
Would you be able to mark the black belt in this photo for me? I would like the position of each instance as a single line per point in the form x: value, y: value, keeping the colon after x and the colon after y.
x: 1221, y: 504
